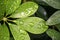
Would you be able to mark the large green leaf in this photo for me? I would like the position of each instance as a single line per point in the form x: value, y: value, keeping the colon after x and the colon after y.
x: 12, y: 5
x: 58, y: 26
x: 53, y: 34
x: 8, y: 6
x: 4, y: 32
x: 32, y: 24
x: 2, y: 9
x: 26, y: 9
x: 53, y: 3
x: 54, y: 19
x: 17, y: 33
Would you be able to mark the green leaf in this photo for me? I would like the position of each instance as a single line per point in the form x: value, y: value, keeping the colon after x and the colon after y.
x: 53, y: 34
x: 12, y: 5
x: 8, y: 6
x: 4, y: 32
x: 26, y: 9
x: 53, y: 3
x: 32, y: 24
x: 58, y: 26
x: 2, y: 9
x: 18, y: 34
x: 54, y: 19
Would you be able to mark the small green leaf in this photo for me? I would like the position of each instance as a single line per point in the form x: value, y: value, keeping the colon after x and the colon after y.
x: 58, y: 26
x: 32, y: 24
x: 53, y: 3
x: 53, y: 34
x: 18, y: 34
x: 4, y: 32
x: 54, y: 19
x: 12, y: 5
x: 26, y: 9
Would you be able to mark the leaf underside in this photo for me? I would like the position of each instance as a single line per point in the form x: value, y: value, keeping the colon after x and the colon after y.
x: 53, y: 34
x: 53, y: 3
x: 54, y: 19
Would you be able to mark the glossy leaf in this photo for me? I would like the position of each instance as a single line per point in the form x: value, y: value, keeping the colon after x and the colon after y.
x: 32, y: 24
x: 53, y: 3
x: 4, y: 32
x: 18, y: 34
x: 12, y: 5
x: 41, y: 13
x: 26, y: 9
x: 53, y: 34
x: 58, y: 26
x: 54, y: 19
